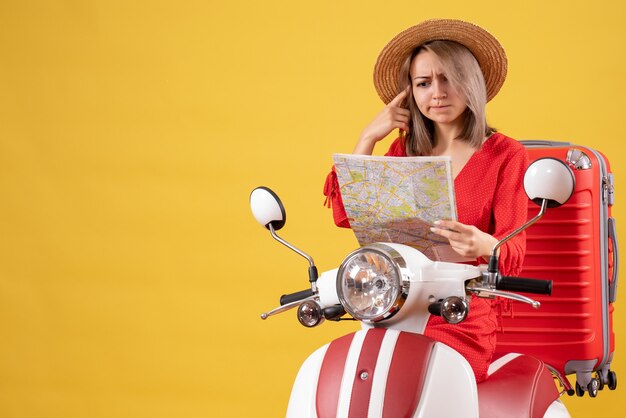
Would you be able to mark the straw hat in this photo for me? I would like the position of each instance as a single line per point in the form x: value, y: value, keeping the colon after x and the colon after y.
x: 484, y: 46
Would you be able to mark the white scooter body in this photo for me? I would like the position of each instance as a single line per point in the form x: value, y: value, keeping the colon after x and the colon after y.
x: 448, y: 376
x: 449, y: 386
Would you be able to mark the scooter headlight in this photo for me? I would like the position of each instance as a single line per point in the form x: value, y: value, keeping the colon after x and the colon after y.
x: 370, y: 284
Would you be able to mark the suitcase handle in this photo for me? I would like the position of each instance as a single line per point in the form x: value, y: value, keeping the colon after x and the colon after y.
x: 542, y: 143
x: 613, y: 238
x: 520, y: 284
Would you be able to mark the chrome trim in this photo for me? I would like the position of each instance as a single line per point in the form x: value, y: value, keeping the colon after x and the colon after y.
x: 563, y: 382
x: 296, y: 250
x: 485, y: 292
x: 314, y: 315
x: 286, y: 307
x: 608, y: 185
x: 454, y: 318
x: 492, y: 276
x: 396, y: 261
x: 578, y: 159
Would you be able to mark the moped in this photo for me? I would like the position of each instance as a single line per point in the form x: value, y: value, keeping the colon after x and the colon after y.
x: 389, y: 368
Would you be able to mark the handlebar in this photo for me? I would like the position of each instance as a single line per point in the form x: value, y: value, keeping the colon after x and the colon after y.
x: 520, y: 284
x: 295, y: 297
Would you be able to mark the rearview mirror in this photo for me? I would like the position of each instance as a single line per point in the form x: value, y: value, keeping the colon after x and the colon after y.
x: 549, y: 179
x: 267, y: 208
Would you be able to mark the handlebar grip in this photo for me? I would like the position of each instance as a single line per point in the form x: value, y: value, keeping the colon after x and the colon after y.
x: 294, y: 297
x: 520, y: 284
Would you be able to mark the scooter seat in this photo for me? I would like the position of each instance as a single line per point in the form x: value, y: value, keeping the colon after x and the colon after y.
x: 521, y: 387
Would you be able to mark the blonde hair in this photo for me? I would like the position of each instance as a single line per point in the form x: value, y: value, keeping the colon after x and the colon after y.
x: 465, y: 75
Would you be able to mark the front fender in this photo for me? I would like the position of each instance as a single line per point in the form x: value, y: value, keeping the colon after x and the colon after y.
x: 380, y: 372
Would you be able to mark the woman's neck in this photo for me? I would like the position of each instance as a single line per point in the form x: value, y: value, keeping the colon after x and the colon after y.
x: 445, y: 136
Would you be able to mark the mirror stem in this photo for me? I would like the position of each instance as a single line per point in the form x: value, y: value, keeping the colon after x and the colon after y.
x: 493, y: 261
x: 312, y: 269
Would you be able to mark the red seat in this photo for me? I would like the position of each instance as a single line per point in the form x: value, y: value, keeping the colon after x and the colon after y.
x: 522, y: 387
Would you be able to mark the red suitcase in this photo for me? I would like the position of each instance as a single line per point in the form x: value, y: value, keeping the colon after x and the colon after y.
x: 574, y: 245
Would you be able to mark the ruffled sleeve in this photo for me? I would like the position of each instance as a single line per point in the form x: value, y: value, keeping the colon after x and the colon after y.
x: 397, y: 148
x: 333, y: 194
x: 334, y: 201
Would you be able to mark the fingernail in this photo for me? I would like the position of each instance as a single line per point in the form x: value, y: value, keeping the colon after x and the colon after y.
x: 433, y: 229
x: 437, y: 222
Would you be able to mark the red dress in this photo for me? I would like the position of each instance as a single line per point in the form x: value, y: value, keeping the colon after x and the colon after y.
x: 489, y: 195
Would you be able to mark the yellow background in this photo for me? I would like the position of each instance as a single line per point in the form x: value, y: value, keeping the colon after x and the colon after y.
x: 132, y: 273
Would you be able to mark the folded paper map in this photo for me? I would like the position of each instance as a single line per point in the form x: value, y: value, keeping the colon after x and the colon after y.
x: 391, y: 199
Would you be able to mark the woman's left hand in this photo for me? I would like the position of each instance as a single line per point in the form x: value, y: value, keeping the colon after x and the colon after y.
x: 467, y: 240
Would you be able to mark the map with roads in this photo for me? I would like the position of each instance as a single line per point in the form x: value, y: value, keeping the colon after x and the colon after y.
x: 391, y: 199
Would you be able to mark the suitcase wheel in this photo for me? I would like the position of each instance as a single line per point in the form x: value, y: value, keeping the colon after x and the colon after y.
x: 601, y: 380
x: 579, y: 390
x: 607, y: 377
x: 612, y: 380
x: 592, y: 387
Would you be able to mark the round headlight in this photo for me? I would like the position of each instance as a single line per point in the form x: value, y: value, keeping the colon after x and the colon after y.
x: 369, y: 283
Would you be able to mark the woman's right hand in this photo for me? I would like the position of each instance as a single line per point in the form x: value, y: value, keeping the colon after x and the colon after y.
x: 393, y: 116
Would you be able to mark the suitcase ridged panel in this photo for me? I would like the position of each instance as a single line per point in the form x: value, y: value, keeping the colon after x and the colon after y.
x: 565, y: 246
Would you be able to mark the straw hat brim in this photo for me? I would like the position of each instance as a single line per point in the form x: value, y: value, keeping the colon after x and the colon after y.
x: 484, y: 46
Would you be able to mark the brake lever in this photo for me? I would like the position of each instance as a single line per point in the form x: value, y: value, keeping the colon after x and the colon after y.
x: 286, y: 307
x: 486, y: 292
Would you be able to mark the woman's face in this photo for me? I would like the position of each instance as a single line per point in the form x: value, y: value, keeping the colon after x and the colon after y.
x: 433, y: 93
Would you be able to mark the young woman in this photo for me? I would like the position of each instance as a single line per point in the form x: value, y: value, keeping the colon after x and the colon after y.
x: 436, y: 78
